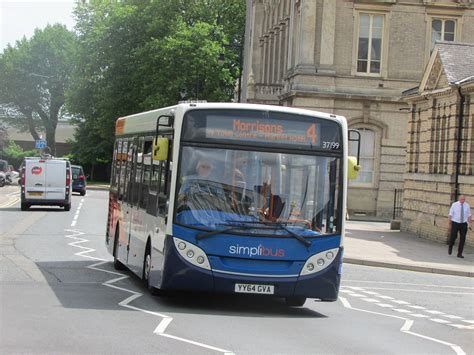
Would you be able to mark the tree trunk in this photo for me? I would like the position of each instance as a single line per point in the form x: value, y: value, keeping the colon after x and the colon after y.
x: 51, y: 139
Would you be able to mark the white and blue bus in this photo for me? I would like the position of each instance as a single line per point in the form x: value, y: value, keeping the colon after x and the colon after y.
x: 231, y: 198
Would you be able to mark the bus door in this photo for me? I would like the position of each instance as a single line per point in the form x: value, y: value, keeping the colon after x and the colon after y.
x: 137, y: 240
x: 128, y: 199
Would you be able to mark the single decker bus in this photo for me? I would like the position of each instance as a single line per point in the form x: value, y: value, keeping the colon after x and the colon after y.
x: 231, y: 198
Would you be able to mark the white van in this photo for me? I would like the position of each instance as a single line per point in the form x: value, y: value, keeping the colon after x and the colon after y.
x: 45, y: 181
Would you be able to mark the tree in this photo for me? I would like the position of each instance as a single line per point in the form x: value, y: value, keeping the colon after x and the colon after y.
x: 34, y: 75
x: 137, y: 55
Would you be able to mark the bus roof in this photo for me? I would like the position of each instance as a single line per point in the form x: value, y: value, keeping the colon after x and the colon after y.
x: 146, y: 121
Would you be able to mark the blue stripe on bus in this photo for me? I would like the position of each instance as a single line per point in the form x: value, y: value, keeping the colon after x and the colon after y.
x: 268, y: 255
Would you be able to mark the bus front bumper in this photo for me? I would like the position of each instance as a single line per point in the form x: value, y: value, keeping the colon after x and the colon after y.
x: 179, y: 274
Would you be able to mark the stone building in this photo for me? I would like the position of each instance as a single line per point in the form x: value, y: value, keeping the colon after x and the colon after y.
x: 440, y: 149
x: 352, y: 58
x: 64, y: 134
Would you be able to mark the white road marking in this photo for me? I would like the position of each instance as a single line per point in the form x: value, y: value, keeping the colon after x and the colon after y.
x: 433, y: 312
x: 371, y: 293
x: 161, y: 328
x: 408, y: 284
x: 387, y: 297
x: 421, y: 291
x: 451, y: 317
x: 371, y: 300
x: 406, y: 327
x: 442, y: 321
x: 416, y: 307
x: 400, y: 302
x: 401, y: 310
x: 462, y: 326
x: 76, y: 216
x: 418, y: 315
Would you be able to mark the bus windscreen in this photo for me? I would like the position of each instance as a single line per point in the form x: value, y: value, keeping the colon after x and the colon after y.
x: 262, y: 128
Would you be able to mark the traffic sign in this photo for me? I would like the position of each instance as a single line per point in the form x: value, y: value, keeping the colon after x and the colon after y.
x: 40, y: 144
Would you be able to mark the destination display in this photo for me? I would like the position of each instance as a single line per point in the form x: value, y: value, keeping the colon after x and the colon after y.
x: 276, y: 128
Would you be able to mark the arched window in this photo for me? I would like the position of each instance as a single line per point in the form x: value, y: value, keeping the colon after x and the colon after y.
x: 367, y: 157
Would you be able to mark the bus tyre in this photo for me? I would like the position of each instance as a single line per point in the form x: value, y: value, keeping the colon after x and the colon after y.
x: 295, y: 301
x: 117, y: 264
x: 147, y: 271
x: 24, y: 206
x: 67, y: 207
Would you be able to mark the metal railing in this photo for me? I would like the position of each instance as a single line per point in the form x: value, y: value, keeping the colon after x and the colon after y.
x: 397, y: 203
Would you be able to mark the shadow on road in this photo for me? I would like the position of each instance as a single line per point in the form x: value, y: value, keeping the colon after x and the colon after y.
x: 78, y: 286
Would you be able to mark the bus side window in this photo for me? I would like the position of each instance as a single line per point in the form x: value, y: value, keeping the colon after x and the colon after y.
x: 123, y: 165
x: 146, y: 174
x: 115, y: 166
x: 137, y: 181
x: 153, y: 188
x: 130, y: 172
x: 165, y: 182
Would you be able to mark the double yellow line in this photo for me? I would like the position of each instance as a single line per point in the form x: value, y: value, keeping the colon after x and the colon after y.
x: 10, y: 203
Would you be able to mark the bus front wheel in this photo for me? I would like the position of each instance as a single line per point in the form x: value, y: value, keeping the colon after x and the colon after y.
x: 147, y: 271
x: 295, y: 301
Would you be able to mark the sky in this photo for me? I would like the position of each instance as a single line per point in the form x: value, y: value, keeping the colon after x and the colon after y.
x: 19, y: 18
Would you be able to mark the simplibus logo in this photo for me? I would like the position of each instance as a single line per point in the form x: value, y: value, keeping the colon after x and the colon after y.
x: 255, y: 251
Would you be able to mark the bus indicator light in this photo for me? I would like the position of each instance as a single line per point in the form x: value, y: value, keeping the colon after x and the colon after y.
x: 319, y: 261
x: 192, y: 253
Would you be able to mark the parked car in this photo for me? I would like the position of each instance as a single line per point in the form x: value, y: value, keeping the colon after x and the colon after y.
x: 45, y: 181
x: 79, y: 180
x: 7, y: 173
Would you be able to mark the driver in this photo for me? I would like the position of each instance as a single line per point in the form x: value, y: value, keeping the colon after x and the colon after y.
x: 202, y: 181
x: 204, y: 168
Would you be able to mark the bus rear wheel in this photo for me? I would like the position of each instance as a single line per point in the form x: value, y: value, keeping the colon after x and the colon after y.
x: 295, y: 301
x: 117, y: 264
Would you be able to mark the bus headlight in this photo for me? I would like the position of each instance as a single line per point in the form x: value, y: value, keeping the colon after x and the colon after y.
x: 318, y: 262
x: 192, y: 253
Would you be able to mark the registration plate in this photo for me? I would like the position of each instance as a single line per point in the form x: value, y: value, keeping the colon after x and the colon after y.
x: 35, y: 193
x: 253, y: 288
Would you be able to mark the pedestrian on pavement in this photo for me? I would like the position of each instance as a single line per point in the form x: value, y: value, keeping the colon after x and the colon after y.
x: 460, y: 218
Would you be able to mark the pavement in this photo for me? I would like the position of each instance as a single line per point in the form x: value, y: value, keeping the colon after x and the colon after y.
x: 372, y: 244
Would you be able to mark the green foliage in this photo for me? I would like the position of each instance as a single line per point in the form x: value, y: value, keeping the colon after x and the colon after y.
x: 15, y: 154
x: 135, y: 56
x: 34, y: 74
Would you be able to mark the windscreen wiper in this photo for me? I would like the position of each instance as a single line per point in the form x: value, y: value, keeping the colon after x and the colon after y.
x: 306, y: 242
x: 218, y: 231
x: 281, y: 225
